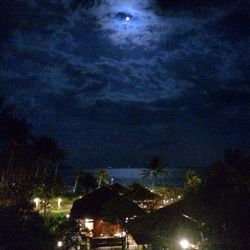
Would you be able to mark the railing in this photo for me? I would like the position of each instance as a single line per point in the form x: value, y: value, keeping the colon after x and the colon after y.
x: 100, y: 242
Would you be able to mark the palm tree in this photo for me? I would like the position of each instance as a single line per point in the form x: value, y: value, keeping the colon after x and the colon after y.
x: 101, y: 176
x: 47, y: 155
x: 193, y: 181
x: 15, y: 135
x: 154, y: 169
x: 78, y: 173
x: 88, y: 181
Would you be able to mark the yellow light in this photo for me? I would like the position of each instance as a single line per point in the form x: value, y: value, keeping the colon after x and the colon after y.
x: 89, y: 223
x: 59, y: 243
x: 184, y: 244
x: 37, y: 202
x: 59, y: 201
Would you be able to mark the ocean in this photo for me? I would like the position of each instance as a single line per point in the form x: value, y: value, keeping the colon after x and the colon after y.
x: 125, y: 176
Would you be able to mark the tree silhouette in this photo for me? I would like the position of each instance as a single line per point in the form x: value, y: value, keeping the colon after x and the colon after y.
x: 78, y: 173
x: 154, y: 169
x: 88, y: 181
x: 102, y: 177
x: 47, y: 155
x: 193, y: 181
x: 14, y: 136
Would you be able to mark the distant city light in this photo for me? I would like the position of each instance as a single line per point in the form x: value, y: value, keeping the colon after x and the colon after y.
x: 184, y: 244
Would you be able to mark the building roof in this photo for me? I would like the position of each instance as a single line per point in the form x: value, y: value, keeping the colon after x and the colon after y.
x: 165, y: 221
x: 118, y: 188
x: 140, y: 193
x: 104, y: 203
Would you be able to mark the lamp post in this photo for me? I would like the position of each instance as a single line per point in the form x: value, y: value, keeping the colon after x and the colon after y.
x: 59, y: 244
x: 112, y: 181
x: 200, y: 225
x: 37, y: 202
x: 184, y: 243
x: 59, y: 201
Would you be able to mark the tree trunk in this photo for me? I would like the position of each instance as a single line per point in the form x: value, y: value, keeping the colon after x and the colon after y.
x: 56, y: 170
x: 37, y: 170
x: 76, y: 183
x: 10, y: 164
x: 2, y: 177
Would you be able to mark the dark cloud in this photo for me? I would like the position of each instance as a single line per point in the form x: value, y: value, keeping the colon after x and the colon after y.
x: 173, y: 79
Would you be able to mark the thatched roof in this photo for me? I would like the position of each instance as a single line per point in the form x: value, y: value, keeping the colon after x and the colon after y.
x: 166, y: 221
x: 104, y: 203
x: 140, y: 193
x: 118, y: 188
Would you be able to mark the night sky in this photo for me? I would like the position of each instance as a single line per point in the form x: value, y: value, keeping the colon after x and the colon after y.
x: 118, y: 81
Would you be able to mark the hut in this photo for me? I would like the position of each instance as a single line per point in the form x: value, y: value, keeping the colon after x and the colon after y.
x: 104, y: 214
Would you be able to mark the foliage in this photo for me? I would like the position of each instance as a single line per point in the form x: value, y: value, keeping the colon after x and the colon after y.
x: 17, y: 191
x: 22, y: 228
x: 46, y: 188
x: 78, y: 173
x: 47, y: 155
x: 29, y: 168
x: 66, y: 230
x: 102, y: 177
x: 83, y: 180
x: 193, y: 182
x: 154, y: 169
x: 14, y: 138
x: 73, y: 237
x: 88, y: 182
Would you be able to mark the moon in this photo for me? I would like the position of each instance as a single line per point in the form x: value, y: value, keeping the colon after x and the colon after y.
x: 127, y: 18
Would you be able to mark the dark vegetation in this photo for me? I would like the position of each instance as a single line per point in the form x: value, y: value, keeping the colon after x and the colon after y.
x: 29, y: 168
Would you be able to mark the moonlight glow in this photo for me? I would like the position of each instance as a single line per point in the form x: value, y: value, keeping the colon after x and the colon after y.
x: 130, y: 22
x: 172, y: 80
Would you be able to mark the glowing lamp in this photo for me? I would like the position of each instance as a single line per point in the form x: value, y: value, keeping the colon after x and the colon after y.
x: 59, y: 243
x: 184, y: 243
x: 59, y: 201
x: 37, y: 202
